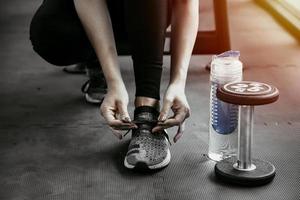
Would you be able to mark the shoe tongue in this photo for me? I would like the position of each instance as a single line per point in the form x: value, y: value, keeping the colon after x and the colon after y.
x: 146, y: 118
x: 145, y: 113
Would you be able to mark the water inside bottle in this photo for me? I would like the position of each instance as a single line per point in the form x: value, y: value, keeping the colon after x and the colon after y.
x: 223, y: 127
x: 224, y: 115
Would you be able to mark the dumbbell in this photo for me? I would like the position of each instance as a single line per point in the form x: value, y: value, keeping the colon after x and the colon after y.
x: 244, y: 170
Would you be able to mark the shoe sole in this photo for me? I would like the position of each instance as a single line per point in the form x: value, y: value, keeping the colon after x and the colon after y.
x: 91, y: 100
x: 163, y: 164
x: 74, y: 71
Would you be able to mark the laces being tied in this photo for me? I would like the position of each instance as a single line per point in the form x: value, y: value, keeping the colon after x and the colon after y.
x: 145, y: 117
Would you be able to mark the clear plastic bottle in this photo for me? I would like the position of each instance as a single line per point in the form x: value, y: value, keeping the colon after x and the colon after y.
x: 223, y: 126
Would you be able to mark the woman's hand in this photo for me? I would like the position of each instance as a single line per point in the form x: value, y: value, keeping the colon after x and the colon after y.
x: 114, y: 110
x: 175, y: 100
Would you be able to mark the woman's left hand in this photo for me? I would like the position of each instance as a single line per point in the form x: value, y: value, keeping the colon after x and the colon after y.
x: 175, y: 100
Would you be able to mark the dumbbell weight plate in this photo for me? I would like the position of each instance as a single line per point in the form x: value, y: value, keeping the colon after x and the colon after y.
x: 263, y: 174
x: 248, y: 93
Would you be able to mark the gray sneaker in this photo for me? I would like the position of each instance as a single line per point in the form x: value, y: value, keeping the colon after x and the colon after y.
x: 95, y: 88
x: 147, y: 151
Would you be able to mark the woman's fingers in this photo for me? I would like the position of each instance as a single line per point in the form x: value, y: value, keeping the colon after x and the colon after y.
x: 180, y: 115
x: 157, y: 129
x: 165, y: 110
x: 180, y: 132
x: 163, y: 116
x: 107, y: 113
x: 123, y: 126
x: 122, y: 111
x: 117, y: 121
x: 118, y: 124
x: 118, y: 127
x: 166, y: 124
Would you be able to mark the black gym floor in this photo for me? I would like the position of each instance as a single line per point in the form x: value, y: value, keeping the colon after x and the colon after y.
x: 53, y: 145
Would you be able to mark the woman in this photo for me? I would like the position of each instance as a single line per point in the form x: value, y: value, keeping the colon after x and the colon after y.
x: 57, y: 35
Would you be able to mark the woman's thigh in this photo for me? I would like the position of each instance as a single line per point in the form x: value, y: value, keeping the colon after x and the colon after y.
x: 58, y: 36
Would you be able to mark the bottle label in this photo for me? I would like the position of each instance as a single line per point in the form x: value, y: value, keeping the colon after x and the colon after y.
x: 224, y: 116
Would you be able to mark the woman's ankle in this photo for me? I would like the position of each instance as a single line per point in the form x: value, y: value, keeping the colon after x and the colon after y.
x: 146, y: 101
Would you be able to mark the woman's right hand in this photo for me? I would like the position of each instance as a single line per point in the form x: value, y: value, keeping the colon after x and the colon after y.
x: 114, y: 110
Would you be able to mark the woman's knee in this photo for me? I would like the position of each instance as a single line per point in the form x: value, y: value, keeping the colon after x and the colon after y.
x: 58, y: 37
x: 42, y: 37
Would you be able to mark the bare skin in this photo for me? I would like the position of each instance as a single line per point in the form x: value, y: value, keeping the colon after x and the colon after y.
x: 95, y: 18
x: 146, y: 101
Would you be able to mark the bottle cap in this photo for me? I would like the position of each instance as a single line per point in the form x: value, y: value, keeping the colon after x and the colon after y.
x: 227, y: 64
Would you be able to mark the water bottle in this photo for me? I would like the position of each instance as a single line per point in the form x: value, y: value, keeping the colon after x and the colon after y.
x: 223, y: 125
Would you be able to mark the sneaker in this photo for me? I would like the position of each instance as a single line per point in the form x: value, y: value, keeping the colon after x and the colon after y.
x: 95, y: 88
x: 76, y: 69
x: 147, y: 151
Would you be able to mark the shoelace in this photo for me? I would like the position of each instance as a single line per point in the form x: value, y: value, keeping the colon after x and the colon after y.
x: 151, y: 123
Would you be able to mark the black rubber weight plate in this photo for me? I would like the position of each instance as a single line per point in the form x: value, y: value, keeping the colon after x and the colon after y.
x: 263, y: 174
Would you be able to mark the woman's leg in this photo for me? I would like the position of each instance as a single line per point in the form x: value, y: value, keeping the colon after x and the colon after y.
x: 57, y: 34
x: 146, y: 23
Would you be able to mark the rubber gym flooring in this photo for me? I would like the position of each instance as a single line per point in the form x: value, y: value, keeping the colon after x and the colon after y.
x: 54, y: 146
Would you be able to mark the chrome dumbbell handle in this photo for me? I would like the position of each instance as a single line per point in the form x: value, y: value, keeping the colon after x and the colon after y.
x: 244, y: 162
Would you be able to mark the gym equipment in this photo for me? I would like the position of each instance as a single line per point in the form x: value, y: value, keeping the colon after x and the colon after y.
x: 244, y: 170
